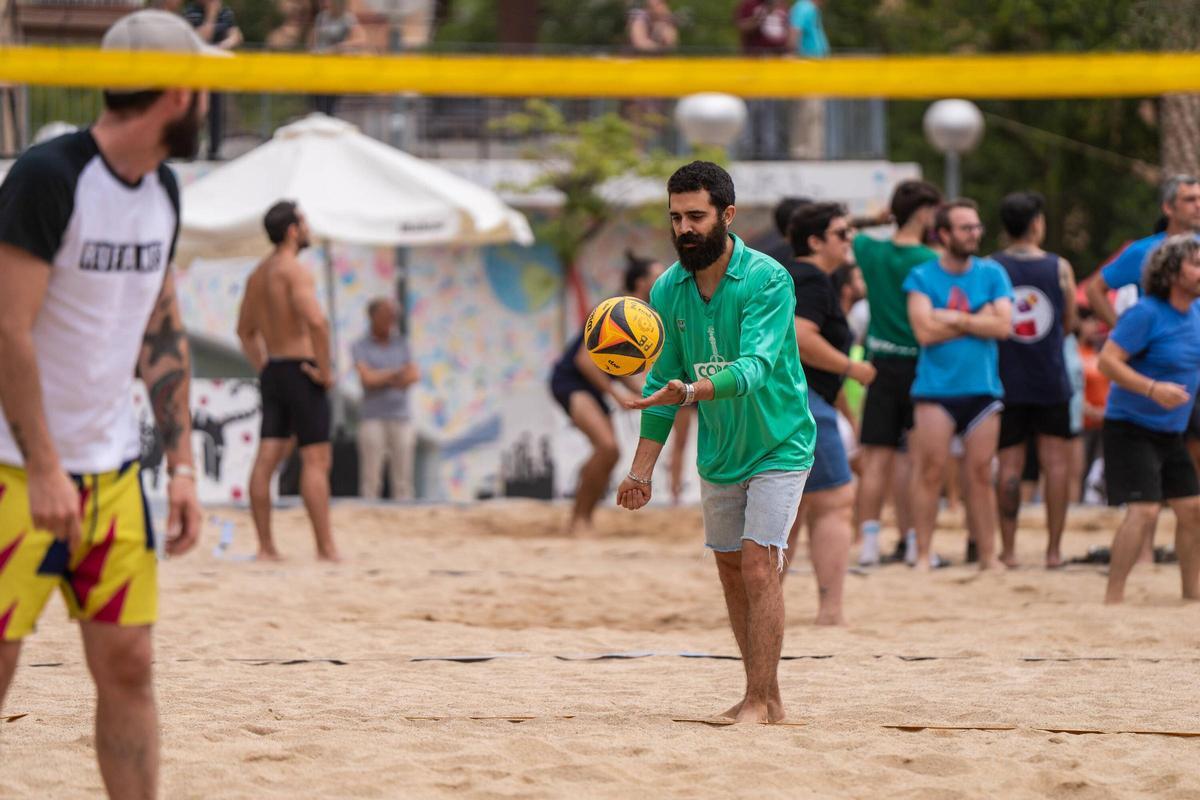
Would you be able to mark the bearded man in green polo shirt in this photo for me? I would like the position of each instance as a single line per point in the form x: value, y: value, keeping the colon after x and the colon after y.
x: 730, y: 347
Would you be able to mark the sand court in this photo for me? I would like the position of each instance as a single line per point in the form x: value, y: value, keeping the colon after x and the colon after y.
x: 305, y: 680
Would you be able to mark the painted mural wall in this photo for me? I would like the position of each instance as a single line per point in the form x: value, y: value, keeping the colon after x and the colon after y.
x: 484, y: 329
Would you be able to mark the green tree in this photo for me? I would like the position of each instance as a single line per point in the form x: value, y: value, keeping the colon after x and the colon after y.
x: 1089, y: 157
x: 578, y: 159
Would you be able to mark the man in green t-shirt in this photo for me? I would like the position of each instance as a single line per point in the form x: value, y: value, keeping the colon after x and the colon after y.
x: 730, y: 346
x: 892, y: 348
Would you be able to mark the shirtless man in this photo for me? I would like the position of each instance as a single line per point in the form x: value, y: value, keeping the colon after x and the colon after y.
x: 286, y: 338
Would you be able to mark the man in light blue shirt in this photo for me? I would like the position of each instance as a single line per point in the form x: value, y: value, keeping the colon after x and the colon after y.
x: 1181, y: 206
x: 808, y: 31
x: 959, y: 306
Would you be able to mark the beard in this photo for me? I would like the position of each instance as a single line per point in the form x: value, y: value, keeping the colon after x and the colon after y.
x: 181, y: 137
x: 963, y: 251
x: 702, y: 251
x: 303, y: 243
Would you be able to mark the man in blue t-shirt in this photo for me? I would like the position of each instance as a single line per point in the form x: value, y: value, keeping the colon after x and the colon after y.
x: 959, y: 306
x: 1181, y: 206
x: 1153, y: 360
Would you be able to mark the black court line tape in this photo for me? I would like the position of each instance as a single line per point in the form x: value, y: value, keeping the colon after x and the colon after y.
x: 472, y: 659
x: 288, y: 662
x: 609, y: 656
x: 516, y: 718
x: 918, y: 727
x: 14, y: 717
x: 1073, y: 731
x: 714, y: 656
x: 1094, y: 731
x: 48, y: 664
x: 721, y: 722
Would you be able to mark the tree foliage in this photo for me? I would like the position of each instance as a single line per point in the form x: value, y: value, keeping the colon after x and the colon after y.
x: 1088, y: 157
x: 577, y: 159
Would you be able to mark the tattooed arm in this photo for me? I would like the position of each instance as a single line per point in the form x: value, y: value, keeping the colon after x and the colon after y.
x: 53, y: 498
x: 165, y: 367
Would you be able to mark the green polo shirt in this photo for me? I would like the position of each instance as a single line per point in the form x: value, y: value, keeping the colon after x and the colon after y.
x: 744, y: 341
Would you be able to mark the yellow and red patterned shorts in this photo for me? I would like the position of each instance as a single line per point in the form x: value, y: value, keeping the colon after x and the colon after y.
x: 114, y: 576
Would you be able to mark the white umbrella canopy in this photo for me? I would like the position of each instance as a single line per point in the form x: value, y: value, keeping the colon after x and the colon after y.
x: 352, y: 189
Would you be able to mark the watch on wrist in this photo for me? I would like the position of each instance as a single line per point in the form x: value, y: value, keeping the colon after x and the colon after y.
x: 182, y: 471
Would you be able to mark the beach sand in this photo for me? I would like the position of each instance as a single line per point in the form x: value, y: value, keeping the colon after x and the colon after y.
x: 953, y: 648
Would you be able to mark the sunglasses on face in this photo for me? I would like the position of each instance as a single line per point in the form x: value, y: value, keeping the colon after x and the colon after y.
x: 841, y: 233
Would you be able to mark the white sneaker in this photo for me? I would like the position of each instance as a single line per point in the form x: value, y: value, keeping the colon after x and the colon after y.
x: 868, y: 554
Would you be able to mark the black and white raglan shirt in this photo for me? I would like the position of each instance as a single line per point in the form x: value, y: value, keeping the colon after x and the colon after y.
x: 108, y: 245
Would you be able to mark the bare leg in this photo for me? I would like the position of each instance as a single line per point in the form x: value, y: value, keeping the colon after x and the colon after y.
x: 126, y: 717
x: 1008, y: 499
x: 829, y: 526
x: 315, y: 462
x: 1136, y: 528
x: 9, y: 651
x: 729, y: 568
x: 271, y: 453
x: 902, y: 481
x: 876, y: 464
x: 1055, y: 455
x: 1187, y: 544
x: 596, y: 472
x: 764, y: 633
x: 1076, y: 472
x: 930, y: 447
x: 980, y: 448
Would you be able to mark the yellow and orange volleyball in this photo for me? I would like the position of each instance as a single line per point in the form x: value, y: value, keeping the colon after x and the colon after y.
x: 623, y: 336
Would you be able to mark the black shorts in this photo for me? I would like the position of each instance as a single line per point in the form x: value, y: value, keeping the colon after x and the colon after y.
x: 292, y: 405
x: 1021, y: 422
x: 967, y: 411
x: 1193, y: 428
x: 1145, y: 466
x: 888, y: 410
x: 563, y: 386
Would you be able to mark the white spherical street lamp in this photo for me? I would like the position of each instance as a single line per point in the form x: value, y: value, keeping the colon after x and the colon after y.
x: 953, y: 127
x: 710, y: 119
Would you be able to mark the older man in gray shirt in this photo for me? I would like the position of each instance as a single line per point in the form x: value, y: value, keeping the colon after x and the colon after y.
x: 385, y: 429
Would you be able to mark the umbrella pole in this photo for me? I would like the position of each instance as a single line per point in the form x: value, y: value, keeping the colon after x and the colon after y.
x: 337, y: 405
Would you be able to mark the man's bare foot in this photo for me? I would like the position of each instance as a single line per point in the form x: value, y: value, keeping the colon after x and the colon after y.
x: 923, y: 564
x: 734, y: 711
x: 331, y: 556
x: 580, y: 529
x: 1009, y: 560
x: 268, y: 555
x: 829, y: 617
x: 753, y: 711
x: 1054, y: 560
x: 775, y: 712
x: 992, y: 565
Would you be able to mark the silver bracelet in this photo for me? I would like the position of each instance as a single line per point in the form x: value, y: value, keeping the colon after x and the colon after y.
x: 689, y: 395
x: 636, y: 479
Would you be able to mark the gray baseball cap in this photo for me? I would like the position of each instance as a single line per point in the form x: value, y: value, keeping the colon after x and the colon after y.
x: 155, y: 30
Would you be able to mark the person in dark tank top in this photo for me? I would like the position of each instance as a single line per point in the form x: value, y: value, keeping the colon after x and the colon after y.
x: 581, y: 389
x: 1037, y: 389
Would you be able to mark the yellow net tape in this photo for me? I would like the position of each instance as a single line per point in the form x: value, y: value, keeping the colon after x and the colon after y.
x: 1026, y: 76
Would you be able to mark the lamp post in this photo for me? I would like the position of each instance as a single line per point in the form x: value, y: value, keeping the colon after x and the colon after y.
x: 710, y: 119
x: 953, y: 127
